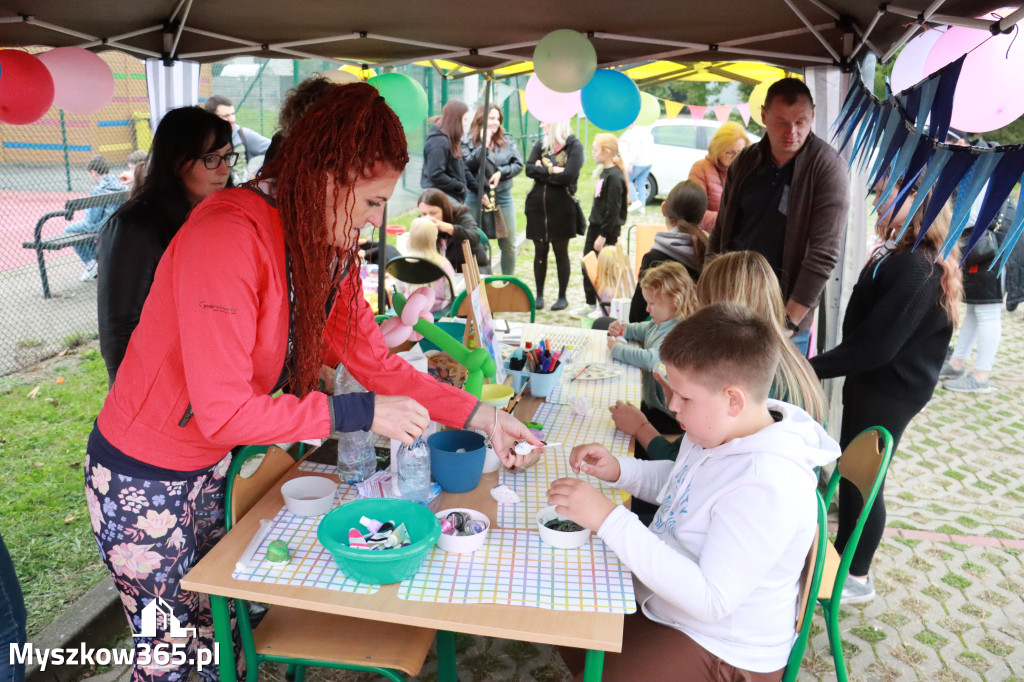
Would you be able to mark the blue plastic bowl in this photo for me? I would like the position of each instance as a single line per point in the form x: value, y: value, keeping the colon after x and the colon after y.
x: 457, y: 472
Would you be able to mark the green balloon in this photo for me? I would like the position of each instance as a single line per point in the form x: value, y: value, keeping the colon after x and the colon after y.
x: 564, y: 60
x: 650, y: 109
x: 405, y: 96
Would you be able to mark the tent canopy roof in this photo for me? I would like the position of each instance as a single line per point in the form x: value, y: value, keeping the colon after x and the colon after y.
x: 789, y: 33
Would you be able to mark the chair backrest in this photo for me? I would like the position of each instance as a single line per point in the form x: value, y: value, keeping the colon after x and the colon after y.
x: 245, y: 487
x: 644, y: 241
x: 864, y: 463
x: 505, y: 294
x: 810, y: 580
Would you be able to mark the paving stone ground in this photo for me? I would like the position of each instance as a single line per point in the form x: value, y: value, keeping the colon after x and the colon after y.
x: 949, y: 574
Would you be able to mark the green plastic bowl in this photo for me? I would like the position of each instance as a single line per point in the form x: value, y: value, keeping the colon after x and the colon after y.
x: 384, y: 566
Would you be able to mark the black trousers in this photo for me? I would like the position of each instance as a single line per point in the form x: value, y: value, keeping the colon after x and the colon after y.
x: 863, y: 408
x: 540, y: 264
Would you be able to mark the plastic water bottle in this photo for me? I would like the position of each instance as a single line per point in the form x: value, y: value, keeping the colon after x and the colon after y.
x: 357, y: 459
x: 411, y: 471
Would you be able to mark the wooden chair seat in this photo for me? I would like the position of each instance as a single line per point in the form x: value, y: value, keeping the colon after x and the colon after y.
x: 295, y: 633
x: 828, y: 578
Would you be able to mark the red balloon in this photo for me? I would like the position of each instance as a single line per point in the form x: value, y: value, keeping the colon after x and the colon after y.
x: 26, y: 88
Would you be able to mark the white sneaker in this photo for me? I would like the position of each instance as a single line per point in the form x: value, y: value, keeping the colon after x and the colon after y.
x: 89, y: 272
x: 636, y: 206
x: 856, y: 592
x: 582, y: 311
x: 596, y: 313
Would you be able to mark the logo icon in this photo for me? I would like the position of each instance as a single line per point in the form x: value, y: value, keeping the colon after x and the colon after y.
x: 155, y: 610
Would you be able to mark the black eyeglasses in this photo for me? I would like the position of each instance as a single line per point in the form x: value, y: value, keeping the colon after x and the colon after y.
x: 212, y: 161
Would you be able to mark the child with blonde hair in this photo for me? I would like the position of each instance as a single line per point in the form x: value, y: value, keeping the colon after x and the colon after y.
x: 746, y: 278
x: 423, y: 244
x: 614, y: 274
x: 608, y: 213
x: 671, y: 296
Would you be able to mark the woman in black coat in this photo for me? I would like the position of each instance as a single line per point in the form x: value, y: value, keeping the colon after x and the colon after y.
x: 554, y: 165
x: 191, y: 157
x: 444, y: 167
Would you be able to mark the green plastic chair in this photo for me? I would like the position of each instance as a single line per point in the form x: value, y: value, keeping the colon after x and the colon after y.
x: 810, y: 583
x: 500, y: 297
x: 300, y: 639
x: 864, y: 463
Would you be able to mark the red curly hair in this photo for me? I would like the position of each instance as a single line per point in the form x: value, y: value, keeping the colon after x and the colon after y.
x: 349, y: 132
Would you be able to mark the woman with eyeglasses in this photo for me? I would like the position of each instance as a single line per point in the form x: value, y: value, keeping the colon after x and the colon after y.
x: 257, y: 291
x: 726, y: 144
x: 191, y: 157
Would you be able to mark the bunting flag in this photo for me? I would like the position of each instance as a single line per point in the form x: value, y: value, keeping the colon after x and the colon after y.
x: 522, y: 101
x: 672, y: 109
x: 901, y: 143
x: 697, y: 112
x: 744, y: 110
x: 722, y: 112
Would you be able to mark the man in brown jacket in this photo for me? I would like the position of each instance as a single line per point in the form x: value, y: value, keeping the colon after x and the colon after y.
x: 787, y: 198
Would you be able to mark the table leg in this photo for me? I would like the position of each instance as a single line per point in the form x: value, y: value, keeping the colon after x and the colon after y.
x: 222, y: 635
x: 593, y: 669
x: 446, y: 670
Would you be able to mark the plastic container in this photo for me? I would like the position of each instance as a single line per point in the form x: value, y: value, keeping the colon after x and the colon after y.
x: 556, y: 538
x: 383, y: 566
x: 357, y: 460
x: 463, y: 544
x: 309, y: 495
x: 411, y: 471
x: 496, y: 394
x: 457, y: 472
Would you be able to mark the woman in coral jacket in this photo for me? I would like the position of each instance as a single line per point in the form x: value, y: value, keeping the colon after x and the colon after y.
x: 255, y: 293
x: 726, y: 144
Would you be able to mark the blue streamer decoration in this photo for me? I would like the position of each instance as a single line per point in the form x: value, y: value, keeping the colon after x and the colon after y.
x: 970, y: 188
x: 961, y: 161
x: 892, y: 124
x: 902, y: 132
x: 938, y: 162
x: 922, y: 153
x: 942, y: 107
x: 928, y: 90
x: 1013, y: 233
x: 1004, y: 177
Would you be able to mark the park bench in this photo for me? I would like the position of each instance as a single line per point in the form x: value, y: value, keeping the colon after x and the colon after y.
x: 64, y: 241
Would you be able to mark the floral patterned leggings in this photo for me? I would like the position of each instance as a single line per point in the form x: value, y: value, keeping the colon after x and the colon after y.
x: 150, y: 533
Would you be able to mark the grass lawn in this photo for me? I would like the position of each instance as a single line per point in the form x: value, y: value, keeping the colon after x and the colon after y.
x: 43, y: 516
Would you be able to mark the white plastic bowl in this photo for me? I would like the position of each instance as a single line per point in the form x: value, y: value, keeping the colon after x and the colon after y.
x: 309, y: 495
x: 463, y: 544
x: 556, y: 538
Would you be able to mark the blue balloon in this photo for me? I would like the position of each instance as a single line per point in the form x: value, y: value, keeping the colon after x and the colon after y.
x: 611, y: 100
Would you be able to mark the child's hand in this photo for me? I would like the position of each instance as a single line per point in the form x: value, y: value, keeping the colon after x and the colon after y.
x: 660, y: 378
x: 580, y: 501
x: 614, y: 341
x: 616, y: 328
x: 627, y: 417
x: 594, y: 459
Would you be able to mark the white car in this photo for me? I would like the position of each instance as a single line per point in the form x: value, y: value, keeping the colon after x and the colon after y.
x: 678, y: 144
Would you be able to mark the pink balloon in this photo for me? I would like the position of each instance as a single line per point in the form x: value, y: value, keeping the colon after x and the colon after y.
x: 909, y: 68
x: 26, y: 88
x: 986, y: 97
x: 83, y: 83
x: 549, y: 106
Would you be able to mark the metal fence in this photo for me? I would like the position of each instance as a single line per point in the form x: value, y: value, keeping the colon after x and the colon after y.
x: 43, y: 166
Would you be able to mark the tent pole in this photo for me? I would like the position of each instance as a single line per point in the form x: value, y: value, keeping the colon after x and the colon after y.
x: 806, y: 22
x: 481, y: 173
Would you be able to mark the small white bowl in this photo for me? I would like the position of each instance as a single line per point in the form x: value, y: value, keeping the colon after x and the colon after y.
x: 491, y: 461
x: 463, y: 544
x: 309, y: 495
x: 556, y: 538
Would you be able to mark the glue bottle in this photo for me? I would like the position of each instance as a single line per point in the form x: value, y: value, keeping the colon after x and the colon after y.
x: 357, y: 459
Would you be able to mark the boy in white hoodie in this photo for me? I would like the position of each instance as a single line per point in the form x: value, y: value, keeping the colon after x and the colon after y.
x: 716, y: 573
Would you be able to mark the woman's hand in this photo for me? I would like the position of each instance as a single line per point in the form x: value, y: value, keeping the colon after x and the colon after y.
x: 616, y: 328
x: 599, y: 243
x: 580, y: 501
x: 399, y: 417
x: 441, y: 225
x: 486, y: 199
x: 594, y: 459
x: 507, y: 432
x: 495, y: 179
x: 627, y: 417
x: 555, y: 170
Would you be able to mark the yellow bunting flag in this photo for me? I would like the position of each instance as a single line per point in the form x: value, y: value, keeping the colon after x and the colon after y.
x: 522, y: 101
x: 672, y: 109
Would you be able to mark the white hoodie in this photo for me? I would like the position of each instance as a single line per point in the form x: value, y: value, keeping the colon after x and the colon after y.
x: 722, y: 559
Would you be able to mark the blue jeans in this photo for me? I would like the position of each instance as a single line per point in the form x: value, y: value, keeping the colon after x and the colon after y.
x: 86, y: 251
x: 802, y: 341
x: 508, y: 213
x: 12, y: 618
x: 638, y: 178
